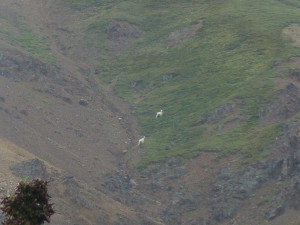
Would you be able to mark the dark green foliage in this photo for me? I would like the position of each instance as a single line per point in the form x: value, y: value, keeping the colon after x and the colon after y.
x: 29, y: 205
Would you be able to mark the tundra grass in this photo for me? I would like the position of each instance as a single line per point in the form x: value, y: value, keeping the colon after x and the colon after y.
x: 24, y: 37
x: 33, y: 43
x: 231, y: 58
x: 85, y: 4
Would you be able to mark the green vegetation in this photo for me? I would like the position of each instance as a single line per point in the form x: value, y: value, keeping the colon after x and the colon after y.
x: 231, y: 59
x: 23, y: 36
x: 83, y: 4
x: 33, y: 43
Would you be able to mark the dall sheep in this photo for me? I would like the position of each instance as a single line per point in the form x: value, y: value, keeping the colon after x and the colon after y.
x: 141, y: 141
x: 160, y: 113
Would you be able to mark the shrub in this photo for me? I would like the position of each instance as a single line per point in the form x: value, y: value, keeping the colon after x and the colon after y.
x: 29, y: 205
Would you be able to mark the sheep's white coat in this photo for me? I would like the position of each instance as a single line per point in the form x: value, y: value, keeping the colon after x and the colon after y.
x: 141, y: 141
x: 160, y: 113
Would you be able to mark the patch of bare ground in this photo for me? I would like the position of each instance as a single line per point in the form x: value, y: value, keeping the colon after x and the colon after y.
x: 181, y: 36
x: 289, y: 71
x: 121, y: 34
x: 293, y: 31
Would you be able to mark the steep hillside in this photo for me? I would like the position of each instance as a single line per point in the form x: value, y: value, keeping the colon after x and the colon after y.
x: 82, y: 80
x: 211, y: 65
x: 52, y: 105
x: 75, y: 201
x: 54, y: 108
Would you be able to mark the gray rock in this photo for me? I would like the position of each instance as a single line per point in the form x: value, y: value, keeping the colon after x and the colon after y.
x: 75, y: 192
x: 223, y: 211
x: 117, y: 30
x: 124, y: 221
x: 118, y: 186
x: 102, y: 219
x: 172, y: 169
x: 231, y: 189
x: 137, y: 84
x: 295, y: 194
x: 146, y: 221
x: 142, y: 85
x: 220, y: 113
x: 286, y: 105
x: 2, y: 217
x: 179, y: 205
x: 83, y: 102
x: 169, y: 76
x: 31, y: 169
x: 276, y: 212
x: 274, y: 169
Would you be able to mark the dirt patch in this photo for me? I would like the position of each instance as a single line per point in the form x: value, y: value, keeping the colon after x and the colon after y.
x: 181, y: 36
x: 121, y: 35
x: 284, y: 106
x: 293, y: 31
x: 118, y: 30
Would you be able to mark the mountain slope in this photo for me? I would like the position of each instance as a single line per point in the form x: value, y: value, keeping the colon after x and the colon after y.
x: 210, y: 64
x: 74, y: 200
x: 57, y: 104
x: 55, y: 109
x: 226, y: 74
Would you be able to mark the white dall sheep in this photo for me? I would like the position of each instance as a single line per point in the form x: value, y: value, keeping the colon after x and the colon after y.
x: 160, y: 113
x: 141, y: 141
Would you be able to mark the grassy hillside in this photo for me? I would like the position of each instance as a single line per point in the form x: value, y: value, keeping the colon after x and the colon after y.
x: 16, y: 32
x: 230, y: 60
